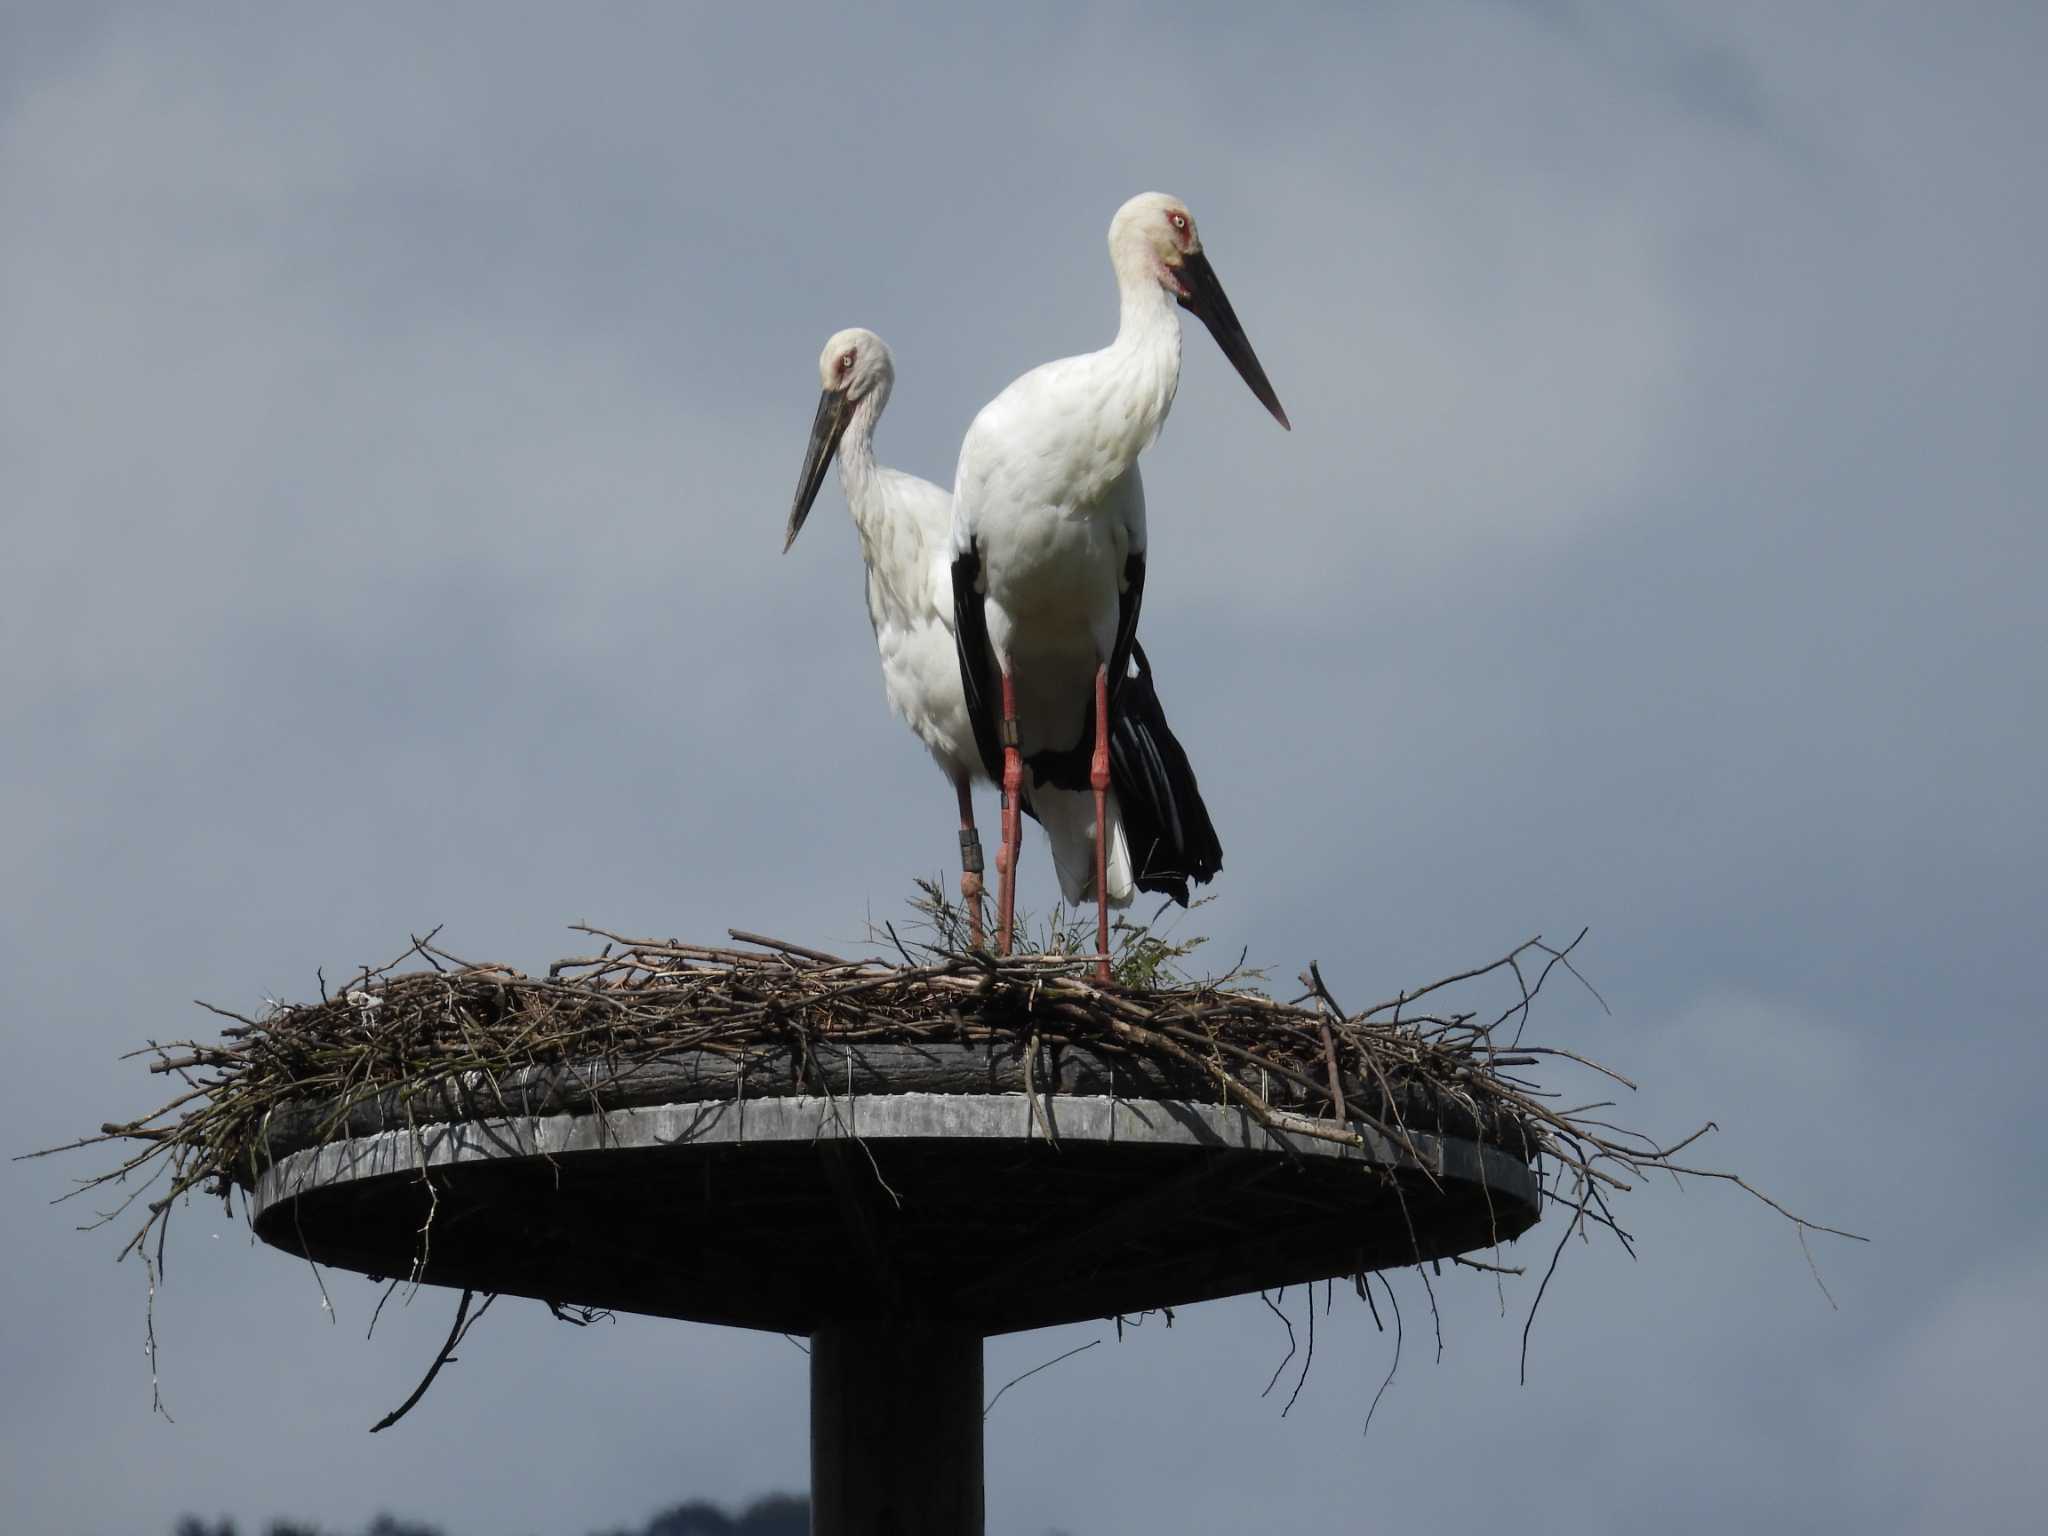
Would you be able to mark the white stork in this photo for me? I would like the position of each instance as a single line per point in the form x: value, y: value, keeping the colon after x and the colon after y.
x: 1048, y: 547
x: 904, y: 525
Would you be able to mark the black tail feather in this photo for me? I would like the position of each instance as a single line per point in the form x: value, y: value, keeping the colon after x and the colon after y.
x: 1171, y: 838
x: 1166, y: 824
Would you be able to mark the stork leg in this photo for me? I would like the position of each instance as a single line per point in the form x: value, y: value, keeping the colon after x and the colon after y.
x: 1098, y: 779
x: 970, y: 861
x: 1013, y: 819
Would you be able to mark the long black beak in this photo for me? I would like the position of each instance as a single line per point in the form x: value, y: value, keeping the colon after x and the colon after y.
x: 834, y: 411
x: 1201, y: 294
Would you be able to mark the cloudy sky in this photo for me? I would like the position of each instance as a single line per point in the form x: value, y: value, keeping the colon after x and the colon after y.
x: 398, y: 415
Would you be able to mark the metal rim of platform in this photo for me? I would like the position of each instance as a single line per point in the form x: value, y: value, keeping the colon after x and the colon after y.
x: 890, y: 1117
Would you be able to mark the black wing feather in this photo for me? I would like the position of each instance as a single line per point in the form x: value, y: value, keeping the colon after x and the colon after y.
x: 977, y: 660
x: 1126, y: 631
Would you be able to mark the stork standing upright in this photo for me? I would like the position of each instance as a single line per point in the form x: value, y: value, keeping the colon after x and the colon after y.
x: 1048, y: 542
x: 904, y: 525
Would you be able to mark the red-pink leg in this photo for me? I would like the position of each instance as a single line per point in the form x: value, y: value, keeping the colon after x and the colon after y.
x: 970, y: 861
x: 1098, y: 777
x: 1013, y: 819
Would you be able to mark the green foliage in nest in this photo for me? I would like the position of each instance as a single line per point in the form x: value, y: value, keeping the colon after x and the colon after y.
x: 1143, y: 958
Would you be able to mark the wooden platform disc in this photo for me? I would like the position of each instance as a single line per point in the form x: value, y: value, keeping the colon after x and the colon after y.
x: 800, y: 1210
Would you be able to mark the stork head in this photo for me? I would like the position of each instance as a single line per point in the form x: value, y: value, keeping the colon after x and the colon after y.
x: 1153, y: 239
x: 855, y: 366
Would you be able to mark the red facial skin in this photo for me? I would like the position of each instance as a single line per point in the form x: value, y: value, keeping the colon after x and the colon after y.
x: 1182, y: 229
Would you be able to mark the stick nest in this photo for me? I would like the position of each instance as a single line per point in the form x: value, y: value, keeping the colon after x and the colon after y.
x: 447, y: 1037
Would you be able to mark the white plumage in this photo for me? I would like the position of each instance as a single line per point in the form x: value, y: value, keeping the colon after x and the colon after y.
x: 904, y: 524
x: 1048, y: 537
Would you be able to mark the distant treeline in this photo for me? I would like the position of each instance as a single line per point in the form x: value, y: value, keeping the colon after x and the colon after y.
x: 778, y: 1514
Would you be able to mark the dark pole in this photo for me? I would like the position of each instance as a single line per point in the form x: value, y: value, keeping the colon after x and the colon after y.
x: 896, y: 1430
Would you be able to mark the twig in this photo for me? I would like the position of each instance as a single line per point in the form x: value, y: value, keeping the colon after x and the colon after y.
x: 1394, y: 1303
x: 447, y: 1354
x: 1492, y: 1269
x: 739, y: 936
x: 1309, y: 1359
x: 1048, y: 1365
x: 1289, y: 1326
x: 1314, y: 977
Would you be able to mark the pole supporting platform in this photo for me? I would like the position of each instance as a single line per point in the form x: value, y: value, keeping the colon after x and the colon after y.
x: 896, y: 1430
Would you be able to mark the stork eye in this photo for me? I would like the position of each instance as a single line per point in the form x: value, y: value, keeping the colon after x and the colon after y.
x: 1180, y: 221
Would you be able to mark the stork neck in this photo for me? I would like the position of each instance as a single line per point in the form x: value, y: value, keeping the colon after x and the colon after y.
x: 1145, y: 357
x: 857, y: 448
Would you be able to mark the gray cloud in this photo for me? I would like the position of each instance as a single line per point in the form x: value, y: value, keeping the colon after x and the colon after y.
x: 396, y: 428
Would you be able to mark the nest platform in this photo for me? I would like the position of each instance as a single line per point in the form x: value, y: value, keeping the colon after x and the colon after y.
x: 924, y: 1182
